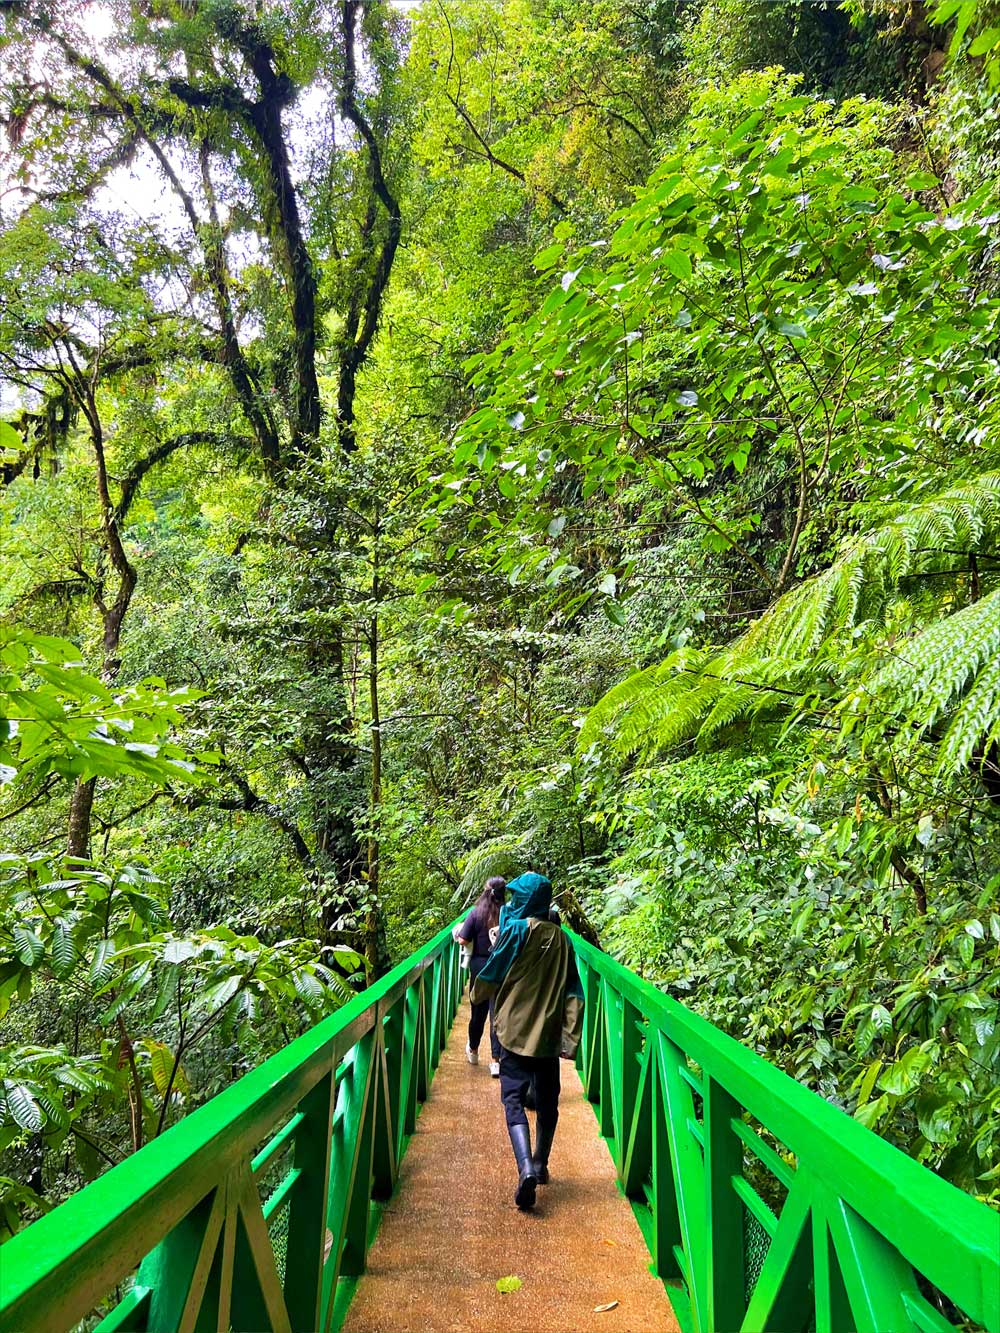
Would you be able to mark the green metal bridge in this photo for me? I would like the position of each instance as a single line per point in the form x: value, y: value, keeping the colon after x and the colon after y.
x: 762, y: 1206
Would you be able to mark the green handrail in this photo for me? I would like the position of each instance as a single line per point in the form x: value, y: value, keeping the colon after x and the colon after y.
x: 255, y: 1211
x: 827, y: 1227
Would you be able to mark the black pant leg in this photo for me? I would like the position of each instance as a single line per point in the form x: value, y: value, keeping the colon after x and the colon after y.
x: 495, y: 1047
x: 477, y: 1016
x: 477, y: 1021
x: 546, y: 1071
x: 515, y: 1076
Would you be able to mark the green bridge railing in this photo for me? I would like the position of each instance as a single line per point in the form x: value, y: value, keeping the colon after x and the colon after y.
x: 763, y: 1206
x: 254, y: 1212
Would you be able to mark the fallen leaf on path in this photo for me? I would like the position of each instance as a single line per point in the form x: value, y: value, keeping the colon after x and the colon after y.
x: 609, y: 1242
x: 506, y: 1284
x: 599, y: 1309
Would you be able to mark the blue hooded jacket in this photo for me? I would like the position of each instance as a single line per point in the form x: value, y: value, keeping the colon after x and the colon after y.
x: 527, y: 896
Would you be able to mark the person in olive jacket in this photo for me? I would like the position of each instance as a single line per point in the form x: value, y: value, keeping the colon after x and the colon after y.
x: 538, y: 1015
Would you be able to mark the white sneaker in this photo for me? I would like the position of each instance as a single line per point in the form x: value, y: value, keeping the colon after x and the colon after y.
x: 495, y: 1068
x: 471, y: 1055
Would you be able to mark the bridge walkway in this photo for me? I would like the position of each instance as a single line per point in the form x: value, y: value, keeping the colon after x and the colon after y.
x: 452, y: 1229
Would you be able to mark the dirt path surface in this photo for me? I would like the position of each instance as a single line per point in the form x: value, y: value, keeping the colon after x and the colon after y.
x: 452, y: 1228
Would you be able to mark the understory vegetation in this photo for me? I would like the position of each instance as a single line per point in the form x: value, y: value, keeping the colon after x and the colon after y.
x: 449, y: 439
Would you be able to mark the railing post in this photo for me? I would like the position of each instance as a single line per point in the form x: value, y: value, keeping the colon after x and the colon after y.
x: 347, y: 1151
x: 783, y: 1296
x: 639, y: 1149
x: 833, y: 1309
x: 592, y: 1034
x: 667, y: 1236
x: 457, y: 981
x: 631, y: 1050
x: 303, y: 1284
x: 688, y: 1169
x: 395, y: 1056
x: 605, y: 1105
x: 724, y: 1251
x: 859, y: 1269
x: 356, y: 1219
x: 449, y: 990
x: 384, y: 1148
x: 178, y: 1270
x: 432, y: 1003
x: 257, y: 1298
x: 410, y: 1055
x: 441, y: 1006
x: 422, y: 1043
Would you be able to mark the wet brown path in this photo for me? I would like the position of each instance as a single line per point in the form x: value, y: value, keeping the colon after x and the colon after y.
x: 452, y: 1228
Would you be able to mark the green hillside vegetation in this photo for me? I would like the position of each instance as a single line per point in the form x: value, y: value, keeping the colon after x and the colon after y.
x: 488, y: 435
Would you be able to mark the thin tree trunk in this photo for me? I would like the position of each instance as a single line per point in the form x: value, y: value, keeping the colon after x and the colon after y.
x: 375, y: 791
x: 126, y: 1056
x: 910, y: 876
x: 112, y: 615
x: 80, y: 806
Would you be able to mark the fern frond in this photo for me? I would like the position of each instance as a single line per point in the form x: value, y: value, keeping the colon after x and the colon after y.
x: 736, y: 702
x: 698, y: 694
x: 503, y: 855
x: 976, y: 724
x: 951, y: 668
x: 634, y: 705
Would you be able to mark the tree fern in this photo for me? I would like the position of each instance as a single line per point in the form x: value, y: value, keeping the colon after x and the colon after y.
x: 951, y: 670
x: 504, y: 855
x: 924, y: 538
x: 797, y: 648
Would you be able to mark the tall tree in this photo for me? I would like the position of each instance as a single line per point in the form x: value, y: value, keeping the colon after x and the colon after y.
x: 273, y: 132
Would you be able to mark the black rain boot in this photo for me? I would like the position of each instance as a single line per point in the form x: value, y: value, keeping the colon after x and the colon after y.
x: 544, y: 1134
x: 520, y: 1141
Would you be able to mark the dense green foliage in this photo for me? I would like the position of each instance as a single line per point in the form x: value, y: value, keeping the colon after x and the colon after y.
x: 506, y: 433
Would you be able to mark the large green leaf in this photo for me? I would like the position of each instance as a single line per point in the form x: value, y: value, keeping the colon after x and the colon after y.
x: 27, y: 946
x: 64, y: 948
x: 22, y: 1106
x: 102, y: 964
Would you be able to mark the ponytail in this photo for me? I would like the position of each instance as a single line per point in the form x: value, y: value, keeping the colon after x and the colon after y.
x: 491, y: 900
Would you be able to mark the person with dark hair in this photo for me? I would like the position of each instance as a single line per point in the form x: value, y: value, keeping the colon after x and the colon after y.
x: 475, y: 933
x: 532, y: 977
